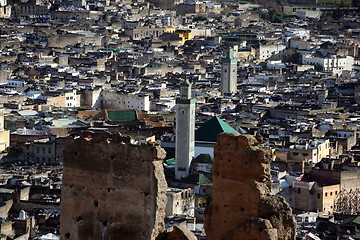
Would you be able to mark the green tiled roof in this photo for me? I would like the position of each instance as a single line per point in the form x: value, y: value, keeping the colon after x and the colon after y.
x: 197, y: 178
x: 353, y: 219
x: 170, y: 161
x: 209, y: 131
x: 122, y: 116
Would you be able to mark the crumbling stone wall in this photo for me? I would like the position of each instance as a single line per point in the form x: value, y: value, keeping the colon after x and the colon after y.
x: 241, y: 206
x: 177, y: 233
x: 112, y: 189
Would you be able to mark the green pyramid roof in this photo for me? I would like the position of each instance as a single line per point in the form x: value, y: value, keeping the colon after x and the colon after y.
x: 209, y: 131
x: 196, y: 178
x: 170, y: 161
x: 353, y: 219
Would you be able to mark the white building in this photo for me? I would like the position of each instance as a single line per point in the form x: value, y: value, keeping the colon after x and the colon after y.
x: 298, y: 32
x: 275, y: 65
x: 334, y: 64
x: 16, y: 83
x: 316, y: 14
x: 180, y: 202
x: 72, y: 99
x: 265, y: 51
x: 116, y: 100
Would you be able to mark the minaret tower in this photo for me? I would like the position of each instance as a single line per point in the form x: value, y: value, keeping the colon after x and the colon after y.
x: 185, y: 131
x: 229, y: 72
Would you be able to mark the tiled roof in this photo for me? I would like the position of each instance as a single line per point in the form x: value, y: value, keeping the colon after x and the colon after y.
x: 122, y: 116
x: 353, y: 219
x: 209, y: 131
x: 197, y: 178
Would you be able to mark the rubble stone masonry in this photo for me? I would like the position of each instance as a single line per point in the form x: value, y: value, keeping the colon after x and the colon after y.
x: 241, y: 206
x: 112, y: 189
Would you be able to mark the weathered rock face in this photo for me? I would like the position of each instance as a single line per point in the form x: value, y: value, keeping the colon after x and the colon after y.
x: 177, y: 233
x: 112, y: 189
x: 241, y: 205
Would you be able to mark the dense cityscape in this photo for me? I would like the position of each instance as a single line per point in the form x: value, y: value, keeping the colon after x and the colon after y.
x: 214, y: 119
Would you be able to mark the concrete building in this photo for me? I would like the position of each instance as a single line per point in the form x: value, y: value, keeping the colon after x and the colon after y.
x: 191, y: 7
x: 69, y: 99
x: 15, y: 83
x: 267, y: 50
x: 229, y: 72
x: 166, y: 4
x: 312, y: 196
x: 183, y: 34
x: 180, y: 202
x: 308, y: 154
x: 313, y: 151
x: 75, y: 37
x: 140, y: 33
x: 30, y: 10
x: 4, y: 134
x: 5, y: 11
x: 91, y: 98
x: 44, y: 151
x: 308, y: 14
x: 185, y: 131
x: 116, y: 100
x: 333, y: 63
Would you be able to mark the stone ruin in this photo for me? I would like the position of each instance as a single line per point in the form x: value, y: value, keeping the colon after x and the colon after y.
x: 113, y: 189
x: 241, y: 206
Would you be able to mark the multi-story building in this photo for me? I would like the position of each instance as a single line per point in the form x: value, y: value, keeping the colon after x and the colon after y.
x: 140, y: 33
x: 267, y: 50
x: 68, y: 99
x: 4, y: 134
x: 312, y: 196
x: 116, y: 100
x: 312, y: 151
x: 302, y: 156
x: 166, y: 4
x: 43, y: 151
x: 333, y: 63
x: 5, y: 9
x: 191, y: 7
x: 30, y: 10
x: 180, y: 202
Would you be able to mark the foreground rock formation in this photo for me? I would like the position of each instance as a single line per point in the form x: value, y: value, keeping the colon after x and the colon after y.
x: 241, y: 205
x: 112, y: 189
